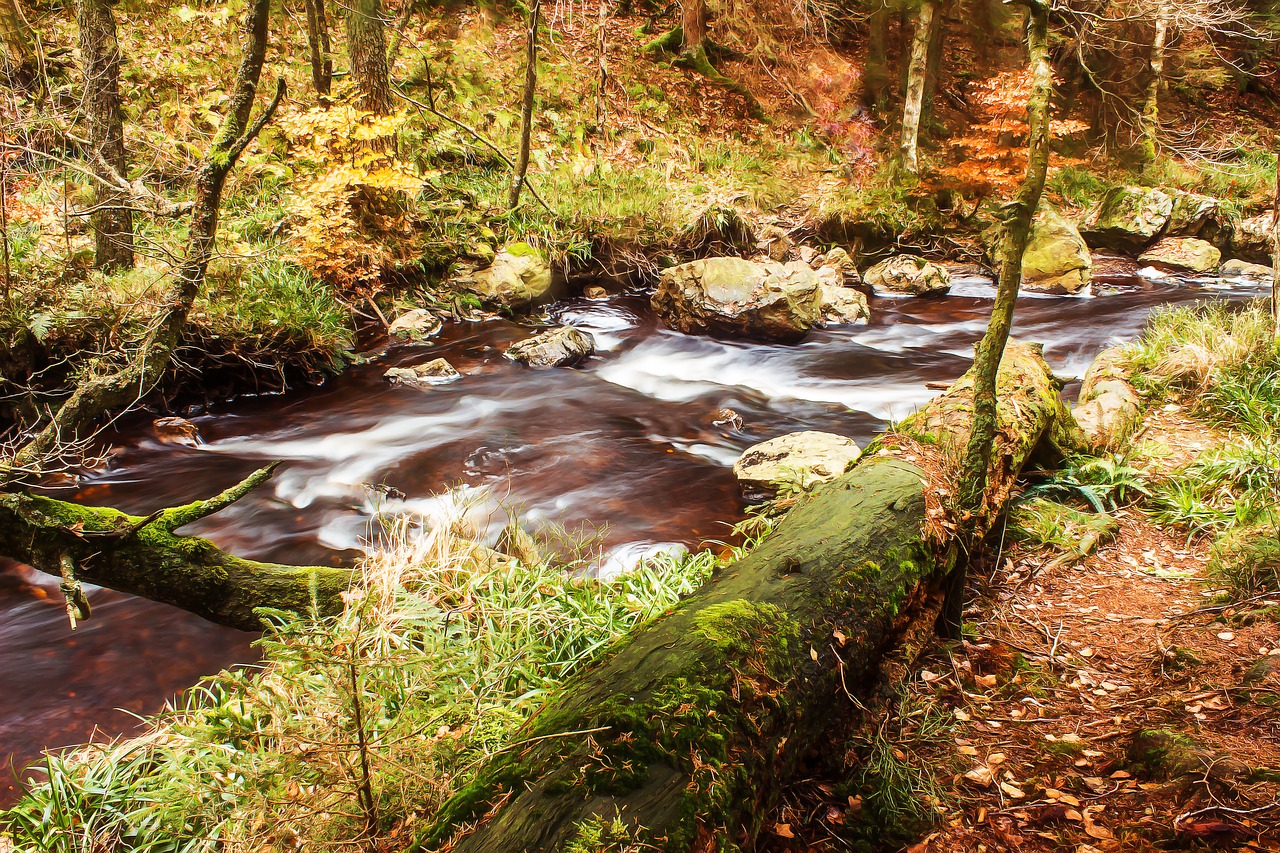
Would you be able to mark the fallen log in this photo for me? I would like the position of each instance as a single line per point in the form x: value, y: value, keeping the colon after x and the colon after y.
x: 142, y: 555
x: 686, y: 732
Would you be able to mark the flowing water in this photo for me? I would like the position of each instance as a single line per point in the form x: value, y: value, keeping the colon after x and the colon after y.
x: 625, y: 445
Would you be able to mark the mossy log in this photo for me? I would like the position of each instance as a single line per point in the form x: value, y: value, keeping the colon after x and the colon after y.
x: 144, y: 556
x: 688, y: 730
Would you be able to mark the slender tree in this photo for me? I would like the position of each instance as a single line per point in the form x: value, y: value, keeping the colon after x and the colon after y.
x: 875, y: 75
x: 1151, y: 102
x: 1275, y: 252
x: 112, y: 216
x: 526, y: 107
x: 1016, y: 219
x: 367, y: 52
x: 917, y: 70
x: 21, y: 59
x: 319, y: 48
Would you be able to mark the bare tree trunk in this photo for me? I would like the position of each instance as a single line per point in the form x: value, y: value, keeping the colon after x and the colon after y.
x: 1016, y: 229
x: 112, y: 216
x: 1275, y: 252
x: 21, y: 59
x: 693, y: 24
x: 526, y: 109
x: 875, y: 79
x: 367, y: 51
x: 92, y: 398
x: 933, y: 67
x: 914, y: 97
x: 320, y: 49
x: 1151, y: 103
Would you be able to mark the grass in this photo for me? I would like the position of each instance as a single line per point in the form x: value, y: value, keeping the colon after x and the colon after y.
x: 444, y: 650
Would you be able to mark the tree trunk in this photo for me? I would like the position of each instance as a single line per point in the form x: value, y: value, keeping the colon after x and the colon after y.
x: 1016, y: 228
x: 875, y: 79
x: 933, y: 65
x: 526, y: 108
x: 321, y: 51
x: 693, y: 24
x: 112, y: 217
x: 1151, y: 103
x: 93, y: 398
x: 688, y: 731
x: 1275, y: 252
x: 914, y: 97
x: 21, y: 60
x: 143, y: 556
x: 367, y: 51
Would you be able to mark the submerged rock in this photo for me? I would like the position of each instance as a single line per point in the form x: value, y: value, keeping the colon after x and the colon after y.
x: 1057, y: 259
x: 415, y: 323
x: 794, y: 462
x: 1236, y: 268
x: 739, y: 298
x: 423, y: 376
x: 175, y: 431
x: 1187, y: 253
x: 910, y: 274
x: 1128, y: 219
x: 562, y: 347
x: 518, y: 276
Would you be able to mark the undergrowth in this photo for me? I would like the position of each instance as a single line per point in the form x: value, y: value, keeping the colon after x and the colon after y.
x: 444, y: 650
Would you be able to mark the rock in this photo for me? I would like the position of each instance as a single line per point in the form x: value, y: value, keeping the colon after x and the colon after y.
x: 1236, y: 268
x: 175, y: 431
x: 1109, y: 409
x: 423, y: 376
x: 1057, y: 259
x: 776, y: 241
x: 1203, y: 216
x: 841, y: 306
x: 736, y: 297
x: 794, y: 462
x: 909, y: 274
x: 1252, y: 240
x: 727, y: 418
x: 518, y: 276
x: 808, y: 254
x: 562, y: 347
x: 1128, y: 219
x: 416, y: 323
x: 839, y: 259
x: 1187, y: 253
x: 595, y: 291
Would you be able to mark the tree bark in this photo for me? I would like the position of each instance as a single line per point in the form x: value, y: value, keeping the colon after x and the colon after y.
x: 143, y: 556
x: 1275, y: 252
x: 94, y: 397
x: 367, y: 52
x: 21, y: 59
x: 694, y: 19
x: 1151, y: 103
x: 318, y: 45
x: 916, y: 72
x: 687, y: 732
x: 1016, y: 229
x: 112, y: 217
x: 526, y: 107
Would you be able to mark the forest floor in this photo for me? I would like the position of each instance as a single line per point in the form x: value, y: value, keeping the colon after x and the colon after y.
x: 1112, y: 703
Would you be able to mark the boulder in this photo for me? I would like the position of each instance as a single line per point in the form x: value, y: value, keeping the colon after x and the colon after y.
x: 793, y: 462
x: 175, y: 430
x: 1203, y: 216
x: 413, y: 324
x: 1109, y: 409
x: 841, y: 305
x: 838, y: 259
x: 1185, y: 253
x: 1128, y: 219
x: 1252, y: 240
x: 1236, y: 268
x: 1057, y: 259
x: 423, y: 376
x: 909, y: 274
x: 736, y: 297
x: 561, y: 347
x: 519, y: 276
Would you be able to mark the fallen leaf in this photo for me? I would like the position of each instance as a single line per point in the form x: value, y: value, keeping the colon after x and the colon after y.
x: 783, y: 830
x: 1012, y: 791
x: 981, y: 776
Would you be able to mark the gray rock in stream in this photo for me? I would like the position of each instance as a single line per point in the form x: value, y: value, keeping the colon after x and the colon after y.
x: 794, y: 462
x: 1184, y: 253
x: 423, y: 376
x: 562, y: 347
x: 733, y: 297
x: 1128, y: 219
x: 908, y: 274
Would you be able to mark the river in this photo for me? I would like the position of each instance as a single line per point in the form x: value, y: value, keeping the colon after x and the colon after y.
x: 625, y: 446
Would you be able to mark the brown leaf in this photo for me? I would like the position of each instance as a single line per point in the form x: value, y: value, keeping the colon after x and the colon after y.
x: 783, y: 830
